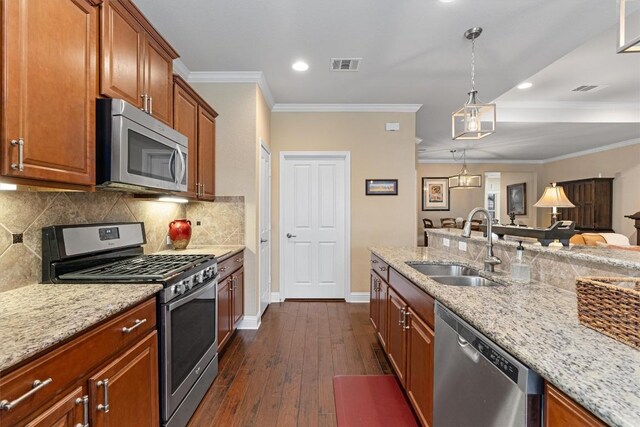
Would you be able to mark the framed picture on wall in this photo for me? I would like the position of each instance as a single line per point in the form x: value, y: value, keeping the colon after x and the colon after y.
x: 435, y: 194
x: 381, y: 187
x: 517, y: 198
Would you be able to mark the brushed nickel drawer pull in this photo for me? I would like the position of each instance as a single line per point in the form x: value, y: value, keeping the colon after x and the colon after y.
x: 85, y: 410
x: 383, y: 268
x: 151, y: 105
x: 224, y: 268
x: 20, y: 165
x: 37, y: 386
x: 136, y: 324
x: 238, y: 259
x: 404, y: 322
x: 104, y: 383
x: 374, y: 261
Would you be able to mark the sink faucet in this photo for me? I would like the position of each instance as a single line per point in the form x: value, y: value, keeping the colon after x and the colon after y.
x: 490, y: 260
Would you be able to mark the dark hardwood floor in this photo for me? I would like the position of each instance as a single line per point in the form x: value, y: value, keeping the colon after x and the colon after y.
x: 281, y: 374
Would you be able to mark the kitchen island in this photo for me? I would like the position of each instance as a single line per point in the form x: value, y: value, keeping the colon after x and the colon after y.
x: 538, y: 324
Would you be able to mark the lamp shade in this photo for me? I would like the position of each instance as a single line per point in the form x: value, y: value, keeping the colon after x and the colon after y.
x: 554, y: 197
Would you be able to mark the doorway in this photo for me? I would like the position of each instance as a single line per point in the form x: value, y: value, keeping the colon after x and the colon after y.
x: 492, y: 194
x: 315, y: 224
x: 265, y: 226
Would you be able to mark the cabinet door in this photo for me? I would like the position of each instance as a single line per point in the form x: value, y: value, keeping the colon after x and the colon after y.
x: 129, y: 386
x: 562, y: 411
x: 122, y: 43
x: 238, y: 296
x: 49, y: 103
x: 224, y: 311
x: 420, y: 340
x: 383, y: 313
x: 185, y: 121
x: 374, y: 306
x: 206, y: 153
x: 397, y: 342
x: 65, y: 412
x: 158, y: 81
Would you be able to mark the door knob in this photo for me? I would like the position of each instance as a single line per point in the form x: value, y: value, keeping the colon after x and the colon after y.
x: 289, y: 235
x: 263, y: 240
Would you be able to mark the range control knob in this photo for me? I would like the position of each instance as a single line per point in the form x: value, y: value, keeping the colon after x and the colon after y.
x: 188, y: 283
x: 179, y: 289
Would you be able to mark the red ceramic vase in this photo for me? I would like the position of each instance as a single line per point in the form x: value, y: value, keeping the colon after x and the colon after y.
x: 180, y: 233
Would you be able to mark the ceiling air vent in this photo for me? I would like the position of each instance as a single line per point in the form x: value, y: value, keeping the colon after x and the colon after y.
x: 589, y: 88
x: 345, y: 64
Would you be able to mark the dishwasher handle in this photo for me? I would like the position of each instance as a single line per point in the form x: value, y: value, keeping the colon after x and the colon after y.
x: 468, y: 350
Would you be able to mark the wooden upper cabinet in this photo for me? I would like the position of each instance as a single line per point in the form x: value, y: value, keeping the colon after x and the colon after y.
x: 49, y: 90
x: 561, y: 411
x: 185, y: 121
x: 129, y: 386
x: 122, y: 43
x: 206, y: 153
x: 158, y: 81
x: 136, y: 62
x: 193, y: 117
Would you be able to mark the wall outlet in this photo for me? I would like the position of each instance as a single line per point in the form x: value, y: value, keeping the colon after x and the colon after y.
x: 462, y: 246
x: 168, y: 241
x: 445, y: 242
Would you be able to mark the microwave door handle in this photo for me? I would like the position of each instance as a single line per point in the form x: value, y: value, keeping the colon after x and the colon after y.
x: 183, y: 164
x: 172, y: 165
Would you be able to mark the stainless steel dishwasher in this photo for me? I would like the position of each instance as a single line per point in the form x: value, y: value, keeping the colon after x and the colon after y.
x: 478, y: 384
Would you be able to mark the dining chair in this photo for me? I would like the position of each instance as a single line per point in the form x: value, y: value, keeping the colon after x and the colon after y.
x: 448, y: 222
x: 427, y: 224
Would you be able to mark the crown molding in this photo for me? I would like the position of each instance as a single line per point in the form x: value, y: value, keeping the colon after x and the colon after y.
x: 180, y: 69
x: 346, y: 108
x: 608, y: 147
x: 567, y: 112
x: 256, y: 77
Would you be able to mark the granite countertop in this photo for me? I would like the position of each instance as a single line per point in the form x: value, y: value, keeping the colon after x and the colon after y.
x: 221, y: 252
x: 538, y: 324
x: 614, y: 257
x: 36, y: 317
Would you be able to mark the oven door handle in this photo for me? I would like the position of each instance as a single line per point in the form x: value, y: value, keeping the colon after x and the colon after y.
x: 190, y: 297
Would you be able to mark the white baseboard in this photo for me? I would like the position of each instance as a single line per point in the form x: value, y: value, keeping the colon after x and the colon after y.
x: 358, y: 297
x: 250, y: 322
x: 275, y: 297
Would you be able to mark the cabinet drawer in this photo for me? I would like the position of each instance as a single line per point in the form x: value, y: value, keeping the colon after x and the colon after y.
x: 380, y: 267
x: 72, y: 361
x: 230, y: 265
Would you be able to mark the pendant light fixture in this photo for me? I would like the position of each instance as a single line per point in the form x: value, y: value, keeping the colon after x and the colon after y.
x: 628, y: 27
x: 474, y: 120
x: 464, y: 179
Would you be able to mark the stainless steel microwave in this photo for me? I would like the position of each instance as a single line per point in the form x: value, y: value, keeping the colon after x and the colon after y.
x: 135, y: 151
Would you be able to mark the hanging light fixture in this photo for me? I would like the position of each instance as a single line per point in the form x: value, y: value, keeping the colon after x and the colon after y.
x: 628, y: 27
x: 474, y: 120
x: 464, y: 179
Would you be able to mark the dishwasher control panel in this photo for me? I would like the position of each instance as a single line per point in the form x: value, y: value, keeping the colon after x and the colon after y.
x: 508, y: 368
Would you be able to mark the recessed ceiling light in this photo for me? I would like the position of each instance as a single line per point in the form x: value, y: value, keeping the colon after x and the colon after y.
x: 445, y: 1
x: 300, y: 66
x: 525, y: 85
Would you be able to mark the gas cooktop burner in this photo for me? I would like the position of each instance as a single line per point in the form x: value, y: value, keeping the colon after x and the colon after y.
x: 145, y: 267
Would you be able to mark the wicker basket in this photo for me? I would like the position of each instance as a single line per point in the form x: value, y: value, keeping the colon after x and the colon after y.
x: 611, y: 305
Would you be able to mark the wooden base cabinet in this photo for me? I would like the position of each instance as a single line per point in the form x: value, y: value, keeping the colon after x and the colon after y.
x: 230, y: 297
x: 419, y: 383
x: 106, y: 377
x: 397, y: 341
x: 48, y: 91
x: 561, y: 411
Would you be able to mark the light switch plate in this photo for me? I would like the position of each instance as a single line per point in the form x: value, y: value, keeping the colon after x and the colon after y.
x: 445, y: 242
x: 168, y: 240
x: 462, y: 246
x: 392, y: 127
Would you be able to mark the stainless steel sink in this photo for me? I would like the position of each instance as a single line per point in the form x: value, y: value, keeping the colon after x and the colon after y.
x: 472, y: 281
x: 443, y: 269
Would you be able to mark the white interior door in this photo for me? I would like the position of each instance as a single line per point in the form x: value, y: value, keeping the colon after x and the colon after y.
x: 314, y: 203
x: 265, y: 228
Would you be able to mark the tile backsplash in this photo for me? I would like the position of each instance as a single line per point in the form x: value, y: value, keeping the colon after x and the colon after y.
x: 23, y: 214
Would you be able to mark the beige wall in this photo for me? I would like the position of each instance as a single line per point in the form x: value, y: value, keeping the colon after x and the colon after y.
x: 375, y: 153
x: 623, y: 164
x: 236, y: 164
x: 464, y: 200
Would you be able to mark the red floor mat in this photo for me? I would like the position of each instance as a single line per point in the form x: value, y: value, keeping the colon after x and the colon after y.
x: 371, y: 401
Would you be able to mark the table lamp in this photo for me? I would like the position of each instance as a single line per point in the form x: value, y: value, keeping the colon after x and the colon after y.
x: 554, y: 197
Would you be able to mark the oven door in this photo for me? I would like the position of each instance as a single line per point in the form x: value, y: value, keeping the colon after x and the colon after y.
x: 143, y: 157
x: 188, y: 343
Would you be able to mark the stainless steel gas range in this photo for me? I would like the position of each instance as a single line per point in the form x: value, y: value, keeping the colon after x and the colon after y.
x: 187, y: 306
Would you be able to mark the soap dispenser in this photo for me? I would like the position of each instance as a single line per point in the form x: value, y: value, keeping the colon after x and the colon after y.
x: 520, y: 270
